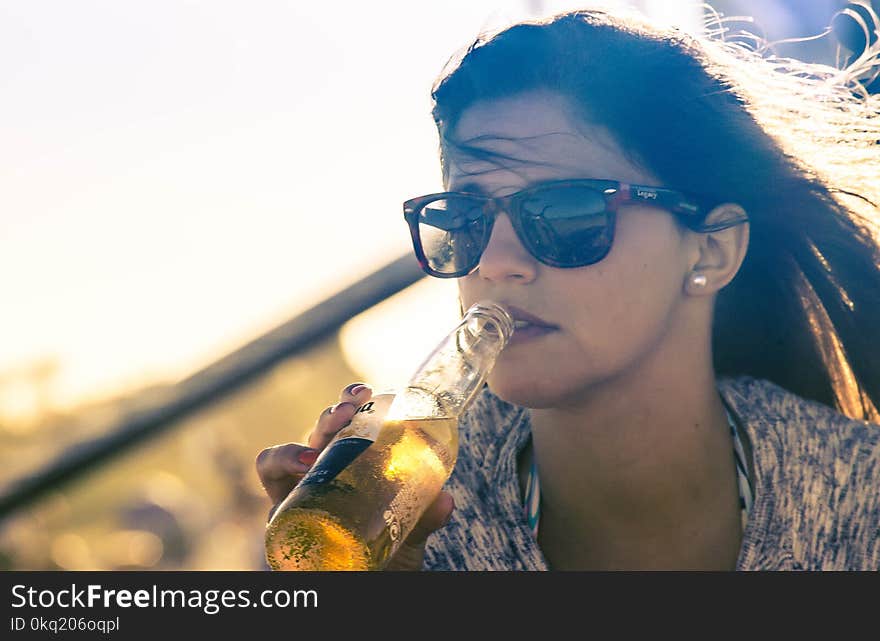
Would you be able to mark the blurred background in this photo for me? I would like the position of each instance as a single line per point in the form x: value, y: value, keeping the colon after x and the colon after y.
x: 200, y: 227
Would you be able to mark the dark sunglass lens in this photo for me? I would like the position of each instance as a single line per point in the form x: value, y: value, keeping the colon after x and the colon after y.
x: 451, y: 233
x: 567, y: 226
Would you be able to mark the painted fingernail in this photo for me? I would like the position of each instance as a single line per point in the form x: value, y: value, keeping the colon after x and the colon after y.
x: 307, y: 457
x: 357, y: 390
x: 350, y: 389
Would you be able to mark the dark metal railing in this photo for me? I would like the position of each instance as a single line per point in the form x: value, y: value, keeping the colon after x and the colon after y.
x: 213, y: 382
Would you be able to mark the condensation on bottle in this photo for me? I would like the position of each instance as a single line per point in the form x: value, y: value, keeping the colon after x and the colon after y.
x: 374, y: 480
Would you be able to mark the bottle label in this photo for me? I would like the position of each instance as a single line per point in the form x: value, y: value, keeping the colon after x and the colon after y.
x: 348, y: 443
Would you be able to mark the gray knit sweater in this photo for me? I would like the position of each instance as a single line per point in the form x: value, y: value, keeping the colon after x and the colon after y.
x: 817, y: 487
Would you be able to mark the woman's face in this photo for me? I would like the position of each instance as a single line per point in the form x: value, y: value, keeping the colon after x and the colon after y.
x: 610, y: 316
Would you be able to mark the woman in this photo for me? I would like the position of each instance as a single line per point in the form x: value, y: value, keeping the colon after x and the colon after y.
x: 689, y: 241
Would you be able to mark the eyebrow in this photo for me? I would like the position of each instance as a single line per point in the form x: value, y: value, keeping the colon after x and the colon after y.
x: 475, y: 188
x: 471, y: 188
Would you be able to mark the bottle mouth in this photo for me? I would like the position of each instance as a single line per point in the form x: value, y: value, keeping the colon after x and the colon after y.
x: 487, y: 316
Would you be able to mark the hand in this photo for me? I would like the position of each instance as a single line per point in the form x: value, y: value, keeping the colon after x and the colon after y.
x: 281, y: 467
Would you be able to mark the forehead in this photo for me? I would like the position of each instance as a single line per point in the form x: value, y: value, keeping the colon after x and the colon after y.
x: 533, y: 137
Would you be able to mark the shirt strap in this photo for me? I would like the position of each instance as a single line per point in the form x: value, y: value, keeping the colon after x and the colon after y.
x: 746, y: 493
x: 532, y: 502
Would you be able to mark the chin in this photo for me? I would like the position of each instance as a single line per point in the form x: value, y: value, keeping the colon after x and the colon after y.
x: 523, y: 391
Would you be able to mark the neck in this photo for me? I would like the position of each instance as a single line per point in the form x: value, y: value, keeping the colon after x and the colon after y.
x: 641, y: 468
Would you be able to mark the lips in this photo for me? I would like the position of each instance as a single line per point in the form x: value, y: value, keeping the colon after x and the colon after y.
x: 524, y: 320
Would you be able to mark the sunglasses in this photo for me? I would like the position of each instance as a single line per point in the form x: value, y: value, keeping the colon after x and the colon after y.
x: 566, y: 223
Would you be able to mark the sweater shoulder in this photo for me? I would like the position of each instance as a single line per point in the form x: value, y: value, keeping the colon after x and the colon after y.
x: 802, y: 426
x: 818, y: 471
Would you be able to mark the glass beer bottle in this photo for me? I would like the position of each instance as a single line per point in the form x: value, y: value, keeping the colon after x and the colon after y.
x: 372, y: 483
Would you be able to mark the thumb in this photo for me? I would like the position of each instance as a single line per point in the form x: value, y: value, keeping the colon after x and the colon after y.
x: 435, y: 517
x: 411, y: 553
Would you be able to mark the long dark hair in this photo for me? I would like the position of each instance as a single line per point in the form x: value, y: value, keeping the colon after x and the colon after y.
x: 796, y: 145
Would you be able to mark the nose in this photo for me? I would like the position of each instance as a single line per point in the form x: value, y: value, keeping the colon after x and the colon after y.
x: 504, y: 257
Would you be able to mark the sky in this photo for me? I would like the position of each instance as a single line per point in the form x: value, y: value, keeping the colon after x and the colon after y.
x: 178, y: 177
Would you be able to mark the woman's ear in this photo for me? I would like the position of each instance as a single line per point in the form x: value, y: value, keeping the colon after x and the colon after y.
x: 720, y: 253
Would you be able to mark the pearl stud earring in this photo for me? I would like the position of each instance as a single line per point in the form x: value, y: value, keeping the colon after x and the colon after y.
x: 699, y: 280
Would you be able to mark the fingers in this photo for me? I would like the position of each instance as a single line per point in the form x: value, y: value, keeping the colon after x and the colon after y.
x: 435, y: 517
x: 281, y: 467
x: 411, y: 553
x: 336, y: 417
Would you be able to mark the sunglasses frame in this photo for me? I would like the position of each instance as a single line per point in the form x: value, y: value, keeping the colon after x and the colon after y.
x: 688, y: 208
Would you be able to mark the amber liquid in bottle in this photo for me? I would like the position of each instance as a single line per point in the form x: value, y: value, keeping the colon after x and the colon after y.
x: 372, y: 483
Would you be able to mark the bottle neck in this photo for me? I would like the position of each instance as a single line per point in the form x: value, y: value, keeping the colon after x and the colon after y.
x: 453, y: 374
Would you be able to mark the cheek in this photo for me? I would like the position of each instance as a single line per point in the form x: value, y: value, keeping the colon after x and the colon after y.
x: 467, y: 294
x: 473, y: 288
x: 627, y: 297
x: 623, y: 306
x: 643, y: 268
